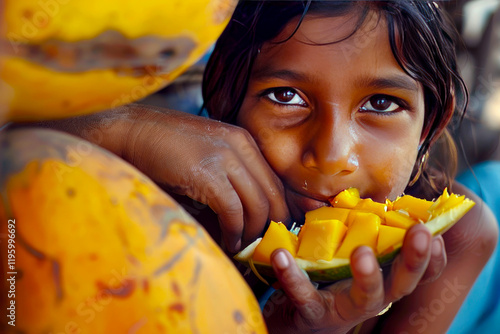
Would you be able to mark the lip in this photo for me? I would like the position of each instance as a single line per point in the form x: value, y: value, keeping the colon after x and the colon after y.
x: 301, y: 203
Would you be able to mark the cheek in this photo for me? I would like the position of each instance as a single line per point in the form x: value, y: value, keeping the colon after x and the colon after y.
x: 391, y: 168
x: 275, y: 147
x: 279, y: 150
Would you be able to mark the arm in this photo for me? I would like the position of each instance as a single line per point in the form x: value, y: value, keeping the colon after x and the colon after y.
x: 469, y: 245
x: 108, y: 129
x: 214, y: 163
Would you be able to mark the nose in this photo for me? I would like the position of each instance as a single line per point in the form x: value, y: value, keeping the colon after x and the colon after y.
x: 331, y: 148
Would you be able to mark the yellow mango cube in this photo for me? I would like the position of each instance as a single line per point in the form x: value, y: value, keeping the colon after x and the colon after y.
x: 319, y: 239
x: 445, y: 204
x: 416, y: 207
x: 388, y: 237
x: 369, y: 205
x: 327, y: 212
x: 346, y: 199
x: 388, y: 204
x: 362, y: 231
x: 440, y: 201
x: 398, y: 219
x: 276, y: 236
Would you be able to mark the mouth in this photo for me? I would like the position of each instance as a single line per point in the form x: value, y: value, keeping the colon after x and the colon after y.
x: 299, y: 204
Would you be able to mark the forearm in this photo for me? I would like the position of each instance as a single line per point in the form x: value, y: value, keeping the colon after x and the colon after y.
x: 107, y: 129
x: 125, y: 131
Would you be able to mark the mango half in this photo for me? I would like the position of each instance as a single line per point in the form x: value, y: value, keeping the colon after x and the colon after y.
x: 64, y: 58
x: 323, y: 245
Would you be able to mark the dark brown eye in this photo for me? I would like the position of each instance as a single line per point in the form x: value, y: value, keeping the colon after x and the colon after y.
x: 285, y: 96
x: 381, y: 104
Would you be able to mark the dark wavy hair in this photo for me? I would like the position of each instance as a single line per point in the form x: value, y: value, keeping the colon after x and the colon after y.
x: 422, y: 38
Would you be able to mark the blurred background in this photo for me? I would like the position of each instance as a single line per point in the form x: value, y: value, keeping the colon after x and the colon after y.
x: 478, y: 136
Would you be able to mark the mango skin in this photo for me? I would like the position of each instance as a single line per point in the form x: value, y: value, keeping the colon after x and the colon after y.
x: 101, y: 249
x: 59, y: 58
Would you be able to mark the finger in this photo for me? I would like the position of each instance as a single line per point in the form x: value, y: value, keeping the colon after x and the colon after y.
x: 304, y: 296
x: 366, y: 295
x: 437, y: 262
x: 255, y: 204
x: 268, y: 181
x: 226, y: 203
x: 410, y: 265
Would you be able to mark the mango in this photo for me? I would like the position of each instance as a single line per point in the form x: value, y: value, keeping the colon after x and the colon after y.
x: 319, y: 239
x: 399, y: 219
x: 416, y: 207
x: 446, y: 203
x: 100, y: 248
x: 63, y: 58
x: 363, y: 231
x: 277, y: 236
x: 367, y: 204
x: 389, y: 237
x: 328, y: 212
x: 348, y: 199
x: 380, y: 226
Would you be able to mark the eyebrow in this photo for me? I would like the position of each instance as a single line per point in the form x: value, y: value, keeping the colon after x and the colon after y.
x: 265, y: 73
x: 394, y: 82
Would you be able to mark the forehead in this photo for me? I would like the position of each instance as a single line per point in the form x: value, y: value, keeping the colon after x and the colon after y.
x: 336, y: 43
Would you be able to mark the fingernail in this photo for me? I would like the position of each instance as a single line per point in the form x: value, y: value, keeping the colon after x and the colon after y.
x: 421, y: 242
x: 436, y: 248
x: 237, y: 247
x: 281, y: 261
x: 365, y: 264
x: 233, y: 247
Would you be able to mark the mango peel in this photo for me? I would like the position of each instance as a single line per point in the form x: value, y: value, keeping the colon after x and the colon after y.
x: 381, y: 226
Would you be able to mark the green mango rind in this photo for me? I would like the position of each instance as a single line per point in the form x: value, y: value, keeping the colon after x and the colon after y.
x: 338, y: 269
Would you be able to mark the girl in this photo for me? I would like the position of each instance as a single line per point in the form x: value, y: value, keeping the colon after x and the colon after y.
x: 342, y: 94
x: 315, y: 97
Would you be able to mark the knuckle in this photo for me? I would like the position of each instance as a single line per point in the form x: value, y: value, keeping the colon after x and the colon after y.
x: 261, y: 207
x: 232, y: 207
x: 415, y: 267
x: 292, y: 281
x: 313, y: 310
x: 239, y: 135
x: 369, y: 303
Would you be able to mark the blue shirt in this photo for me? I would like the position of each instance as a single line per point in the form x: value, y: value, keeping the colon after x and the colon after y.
x: 480, y: 312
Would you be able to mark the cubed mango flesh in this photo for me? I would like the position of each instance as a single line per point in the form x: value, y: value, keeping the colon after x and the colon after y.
x: 276, y: 236
x: 440, y: 201
x: 446, y: 204
x: 389, y: 237
x: 319, y: 239
x: 416, y: 207
x: 398, y: 219
x: 347, y: 198
x: 327, y: 212
x: 362, y: 231
x: 367, y: 204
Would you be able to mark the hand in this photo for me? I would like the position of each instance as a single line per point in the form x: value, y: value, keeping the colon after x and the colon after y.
x: 213, y: 163
x: 341, y: 306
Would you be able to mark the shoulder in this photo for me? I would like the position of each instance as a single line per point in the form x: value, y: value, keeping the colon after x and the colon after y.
x: 476, y: 232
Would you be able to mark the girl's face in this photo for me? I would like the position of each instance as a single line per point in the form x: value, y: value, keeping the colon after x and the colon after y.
x: 334, y: 116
